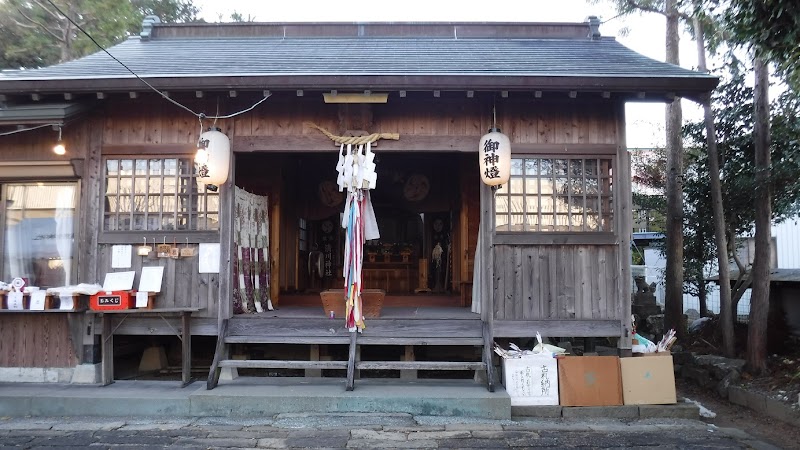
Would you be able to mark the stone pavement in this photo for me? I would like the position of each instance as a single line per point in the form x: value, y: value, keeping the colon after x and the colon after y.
x: 363, y: 430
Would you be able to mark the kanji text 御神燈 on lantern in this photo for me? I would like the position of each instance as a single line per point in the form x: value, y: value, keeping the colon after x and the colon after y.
x: 213, y: 157
x: 494, y: 154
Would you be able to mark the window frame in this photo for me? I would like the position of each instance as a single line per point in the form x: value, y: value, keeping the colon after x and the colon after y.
x: 4, y: 183
x: 153, y: 236
x: 562, y: 237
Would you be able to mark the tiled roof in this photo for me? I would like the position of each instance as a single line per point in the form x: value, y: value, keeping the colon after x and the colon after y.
x: 401, y: 62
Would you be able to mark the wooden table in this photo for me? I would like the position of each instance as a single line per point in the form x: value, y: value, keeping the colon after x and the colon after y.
x: 107, y: 337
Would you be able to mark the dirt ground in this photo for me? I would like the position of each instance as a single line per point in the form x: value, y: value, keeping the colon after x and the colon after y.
x: 763, y: 427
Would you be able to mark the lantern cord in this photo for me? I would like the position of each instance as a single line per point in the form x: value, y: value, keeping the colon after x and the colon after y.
x: 354, y: 140
x: 162, y: 94
x: 21, y: 130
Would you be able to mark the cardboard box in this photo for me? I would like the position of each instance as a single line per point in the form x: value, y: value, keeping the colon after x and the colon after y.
x: 589, y: 381
x: 531, y: 380
x: 648, y: 380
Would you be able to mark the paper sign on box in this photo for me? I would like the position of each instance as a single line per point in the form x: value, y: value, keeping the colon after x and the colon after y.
x: 531, y: 380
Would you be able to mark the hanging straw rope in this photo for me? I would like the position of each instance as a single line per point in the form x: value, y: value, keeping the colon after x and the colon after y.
x: 354, y: 140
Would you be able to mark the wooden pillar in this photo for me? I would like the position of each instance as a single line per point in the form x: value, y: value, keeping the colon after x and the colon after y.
x: 408, y: 374
x: 313, y: 356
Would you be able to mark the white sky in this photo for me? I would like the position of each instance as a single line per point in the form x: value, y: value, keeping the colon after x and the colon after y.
x: 645, y: 32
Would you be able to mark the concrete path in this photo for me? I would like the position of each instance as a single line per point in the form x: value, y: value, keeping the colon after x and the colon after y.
x: 350, y: 431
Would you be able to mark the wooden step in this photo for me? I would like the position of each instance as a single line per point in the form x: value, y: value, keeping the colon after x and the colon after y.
x: 281, y: 364
x: 420, y: 365
x: 250, y: 339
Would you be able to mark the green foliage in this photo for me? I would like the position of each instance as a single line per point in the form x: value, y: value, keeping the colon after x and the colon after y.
x: 34, y: 34
x: 733, y: 109
x: 771, y: 27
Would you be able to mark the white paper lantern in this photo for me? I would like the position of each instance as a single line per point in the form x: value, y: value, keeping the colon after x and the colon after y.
x: 494, y: 157
x: 218, y: 158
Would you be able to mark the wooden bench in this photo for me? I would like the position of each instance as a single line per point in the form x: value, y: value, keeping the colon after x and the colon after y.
x: 397, y: 332
x: 107, y: 337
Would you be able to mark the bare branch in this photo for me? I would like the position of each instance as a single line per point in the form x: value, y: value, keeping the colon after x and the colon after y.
x: 636, y: 5
x: 55, y: 14
x: 40, y: 25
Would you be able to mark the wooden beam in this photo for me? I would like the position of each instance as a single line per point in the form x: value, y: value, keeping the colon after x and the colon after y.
x: 556, y: 327
x: 320, y: 143
x: 605, y: 239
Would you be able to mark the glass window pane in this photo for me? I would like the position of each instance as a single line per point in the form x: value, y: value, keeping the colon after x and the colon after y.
x: 517, y: 221
x: 138, y: 222
x: 561, y: 204
x: 169, y: 186
x: 532, y: 186
x: 112, y: 186
x: 126, y: 167
x: 139, y: 203
x: 533, y: 222
x: 212, y: 203
x: 501, y: 222
x: 532, y: 203
x: 576, y: 168
x: 590, y: 167
x: 546, y: 167
x: 110, y: 222
x: 170, y: 167
x: 560, y: 167
x: 168, y: 222
x: 501, y: 204
x: 168, y: 204
x: 39, y: 233
x: 546, y: 186
x: 531, y: 167
x: 515, y: 204
x: 183, y: 222
x: 153, y: 204
x: 515, y: 185
x: 112, y: 167
x: 155, y: 167
x: 516, y: 167
x: 141, y: 167
x: 592, y: 186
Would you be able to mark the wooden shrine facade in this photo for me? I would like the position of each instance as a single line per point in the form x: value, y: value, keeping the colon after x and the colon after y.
x: 551, y: 247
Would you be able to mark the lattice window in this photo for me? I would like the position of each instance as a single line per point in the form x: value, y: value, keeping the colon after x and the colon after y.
x: 158, y: 194
x: 571, y: 194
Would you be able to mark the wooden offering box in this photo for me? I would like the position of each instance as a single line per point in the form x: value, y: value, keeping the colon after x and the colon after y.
x: 371, y: 299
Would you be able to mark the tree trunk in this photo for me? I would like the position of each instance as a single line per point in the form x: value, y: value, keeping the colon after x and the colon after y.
x: 673, y: 307
x: 759, y: 299
x: 728, y: 347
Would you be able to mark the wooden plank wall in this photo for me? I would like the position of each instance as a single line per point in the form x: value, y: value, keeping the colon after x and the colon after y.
x: 36, y: 340
x: 150, y: 126
x: 556, y: 282
x: 182, y: 285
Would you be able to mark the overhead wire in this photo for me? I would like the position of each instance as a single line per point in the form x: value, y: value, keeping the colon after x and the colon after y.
x: 21, y: 130
x: 162, y: 94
